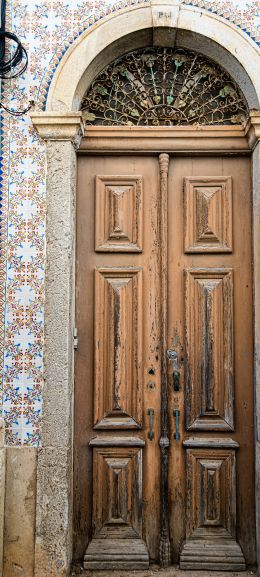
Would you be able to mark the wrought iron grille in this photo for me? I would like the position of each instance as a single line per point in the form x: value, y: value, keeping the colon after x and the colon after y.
x: 163, y: 87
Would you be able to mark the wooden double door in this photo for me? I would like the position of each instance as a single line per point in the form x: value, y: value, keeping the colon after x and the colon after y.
x: 163, y: 393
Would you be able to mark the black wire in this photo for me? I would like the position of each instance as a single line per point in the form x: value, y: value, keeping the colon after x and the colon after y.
x: 3, y: 14
x: 8, y: 66
x: 14, y: 65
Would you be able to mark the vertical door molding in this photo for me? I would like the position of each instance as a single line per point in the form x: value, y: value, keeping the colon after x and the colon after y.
x: 254, y: 141
x: 53, y: 550
x: 164, y: 546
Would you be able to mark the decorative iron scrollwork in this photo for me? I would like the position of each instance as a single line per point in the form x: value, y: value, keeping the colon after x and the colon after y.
x: 164, y: 87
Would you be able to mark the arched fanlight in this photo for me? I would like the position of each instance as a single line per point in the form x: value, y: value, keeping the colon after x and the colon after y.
x: 164, y: 87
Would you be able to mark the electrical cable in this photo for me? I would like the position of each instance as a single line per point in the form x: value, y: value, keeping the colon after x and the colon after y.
x: 15, y: 64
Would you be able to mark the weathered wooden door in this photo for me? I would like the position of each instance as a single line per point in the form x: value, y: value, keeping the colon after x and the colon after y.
x: 163, y: 393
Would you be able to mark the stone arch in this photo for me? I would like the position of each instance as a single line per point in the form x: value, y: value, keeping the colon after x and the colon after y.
x: 159, y: 24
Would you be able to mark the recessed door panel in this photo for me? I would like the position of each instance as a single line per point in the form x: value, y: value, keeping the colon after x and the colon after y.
x: 117, y: 498
x: 119, y: 213
x: 208, y: 214
x: 118, y: 348
x: 209, y: 382
x: 211, y: 507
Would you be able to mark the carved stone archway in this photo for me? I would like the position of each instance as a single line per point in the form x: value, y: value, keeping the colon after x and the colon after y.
x: 153, y: 23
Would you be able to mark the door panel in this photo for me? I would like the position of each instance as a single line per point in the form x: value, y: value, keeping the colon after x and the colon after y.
x: 119, y: 213
x: 211, y: 476
x: 118, y: 395
x: 209, y: 349
x: 117, y: 495
x: 208, y: 214
x: 211, y: 507
x: 119, y: 358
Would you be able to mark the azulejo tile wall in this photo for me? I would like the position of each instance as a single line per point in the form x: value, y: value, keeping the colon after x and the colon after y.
x: 47, y: 28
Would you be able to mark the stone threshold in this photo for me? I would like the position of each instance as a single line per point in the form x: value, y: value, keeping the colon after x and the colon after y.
x: 156, y: 571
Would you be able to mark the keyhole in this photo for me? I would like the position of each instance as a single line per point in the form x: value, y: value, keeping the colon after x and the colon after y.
x: 151, y: 386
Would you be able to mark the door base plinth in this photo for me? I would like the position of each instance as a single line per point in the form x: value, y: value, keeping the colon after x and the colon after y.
x: 107, y: 554
x: 213, y: 555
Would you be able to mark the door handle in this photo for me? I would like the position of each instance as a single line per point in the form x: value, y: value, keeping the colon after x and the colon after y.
x: 176, y: 414
x: 176, y: 380
x: 150, y: 412
x: 173, y: 357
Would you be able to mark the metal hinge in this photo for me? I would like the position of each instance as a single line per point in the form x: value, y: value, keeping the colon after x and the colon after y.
x: 75, y: 339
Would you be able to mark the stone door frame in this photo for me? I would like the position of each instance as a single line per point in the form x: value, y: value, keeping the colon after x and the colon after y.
x: 61, y: 126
